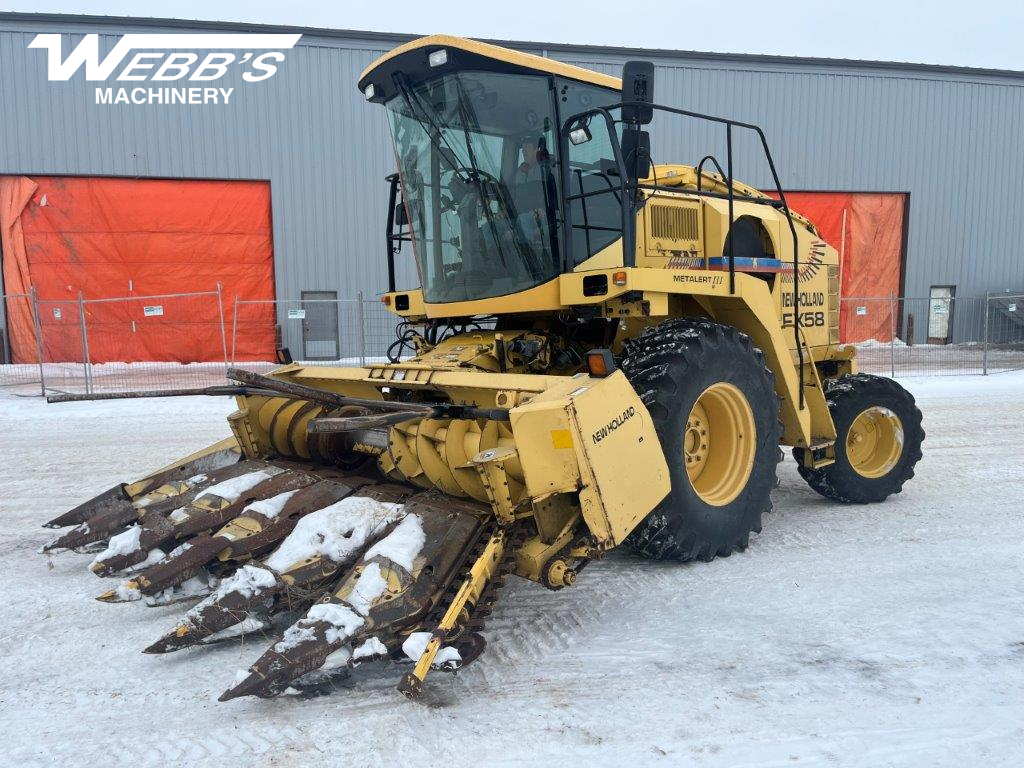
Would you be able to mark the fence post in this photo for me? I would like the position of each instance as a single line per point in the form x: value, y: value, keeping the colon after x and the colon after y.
x: 984, y: 347
x: 234, y: 331
x: 86, y: 365
x: 362, y: 330
x: 38, y: 328
x: 892, y: 336
x: 223, y: 335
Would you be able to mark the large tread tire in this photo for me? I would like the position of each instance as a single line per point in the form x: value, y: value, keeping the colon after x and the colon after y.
x: 847, y: 397
x: 670, y: 365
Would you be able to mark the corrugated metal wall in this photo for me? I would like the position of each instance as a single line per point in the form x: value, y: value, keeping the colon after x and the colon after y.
x: 952, y: 140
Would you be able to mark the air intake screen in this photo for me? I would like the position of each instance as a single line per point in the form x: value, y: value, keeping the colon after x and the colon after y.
x: 673, y: 222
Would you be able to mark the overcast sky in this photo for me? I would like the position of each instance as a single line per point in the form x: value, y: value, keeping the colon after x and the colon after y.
x: 978, y: 33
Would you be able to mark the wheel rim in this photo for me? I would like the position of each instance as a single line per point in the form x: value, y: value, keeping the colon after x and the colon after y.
x: 874, y: 442
x: 719, y: 444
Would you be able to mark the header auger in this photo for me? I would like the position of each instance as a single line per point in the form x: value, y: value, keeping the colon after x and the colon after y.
x: 600, y: 352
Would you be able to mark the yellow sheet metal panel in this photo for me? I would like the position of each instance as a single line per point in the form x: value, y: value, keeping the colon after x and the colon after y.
x: 623, y: 468
x: 545, y: 441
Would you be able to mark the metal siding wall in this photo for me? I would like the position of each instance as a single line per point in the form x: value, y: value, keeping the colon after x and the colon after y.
x: 951, y: 142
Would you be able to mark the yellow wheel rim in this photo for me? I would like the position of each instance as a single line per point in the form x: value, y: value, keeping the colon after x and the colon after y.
x: 719, y: 444
x: 874, y: 442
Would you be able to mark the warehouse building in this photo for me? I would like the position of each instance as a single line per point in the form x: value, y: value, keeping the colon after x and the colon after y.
x: 269, y: 180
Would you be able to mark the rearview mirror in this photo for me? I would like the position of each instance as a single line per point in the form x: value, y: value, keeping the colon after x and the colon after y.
x: 400, y: 218
x: 636, y: 153
x: 638, y: 85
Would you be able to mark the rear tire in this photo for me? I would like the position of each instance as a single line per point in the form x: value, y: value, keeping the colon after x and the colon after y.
x: 714, y: 408
x: 878, y: 443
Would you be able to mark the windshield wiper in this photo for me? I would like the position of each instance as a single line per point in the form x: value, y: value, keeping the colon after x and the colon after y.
x: 433, y: 129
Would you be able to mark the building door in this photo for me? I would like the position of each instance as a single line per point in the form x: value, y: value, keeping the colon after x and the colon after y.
x: 127, y: 239
x: 320, y: 339
x: 867, y: 228
x: 940, y: 314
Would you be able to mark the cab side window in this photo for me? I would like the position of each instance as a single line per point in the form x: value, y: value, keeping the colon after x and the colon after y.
x: 597, y: 215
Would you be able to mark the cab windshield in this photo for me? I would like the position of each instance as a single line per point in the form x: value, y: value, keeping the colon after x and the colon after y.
x: 477, y: 156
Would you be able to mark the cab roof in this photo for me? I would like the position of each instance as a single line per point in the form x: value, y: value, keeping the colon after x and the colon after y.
x: 464, y: 54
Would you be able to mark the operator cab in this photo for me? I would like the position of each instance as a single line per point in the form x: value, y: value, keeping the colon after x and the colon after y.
x: 476, y: 138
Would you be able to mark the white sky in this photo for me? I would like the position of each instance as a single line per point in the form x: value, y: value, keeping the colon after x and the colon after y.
x: 979, y: 33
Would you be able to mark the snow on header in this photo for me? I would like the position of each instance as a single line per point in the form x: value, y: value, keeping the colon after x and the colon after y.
x: 231, y: 489
x: 337, y: 531
x: 122, y: 544
x: 270, y: 508
x: 402, y: 545
x: 447, y: 657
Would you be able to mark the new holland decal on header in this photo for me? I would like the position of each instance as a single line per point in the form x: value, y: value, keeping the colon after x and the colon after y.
x: 614, y: 424
x: 172, y: 74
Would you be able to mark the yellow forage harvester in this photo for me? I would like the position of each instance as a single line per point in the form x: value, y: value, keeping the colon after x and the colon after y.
x: 601, y: 352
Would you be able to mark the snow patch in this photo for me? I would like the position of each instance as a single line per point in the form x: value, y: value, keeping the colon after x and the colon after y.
x: 343, y: 620
x: 367, y: 588
x: 294, y: 636
x: 402, y: 545
x: 126, y: 592
x: 178, y: 516
x: 337, y: 659
x: 153, y: 557
x: 336, y: 532
x: 183, y: 547
x: 270, y: 508
x: 231, y: 489
x: 122, y: 544
x: 370, y: 647
x: 247, y: 625
x: 198, y: 586
x: 247, y: 581
x: 446, y: 657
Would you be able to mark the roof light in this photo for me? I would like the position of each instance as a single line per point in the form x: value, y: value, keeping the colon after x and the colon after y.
x: 369, y: 92
x: 438, y: 58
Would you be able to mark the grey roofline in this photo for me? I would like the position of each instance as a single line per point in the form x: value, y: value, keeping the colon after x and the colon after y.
x: 398, y: 38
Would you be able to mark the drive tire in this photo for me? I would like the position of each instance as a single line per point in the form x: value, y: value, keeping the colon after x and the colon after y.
x: 865, y: 476
x: 693, y: 371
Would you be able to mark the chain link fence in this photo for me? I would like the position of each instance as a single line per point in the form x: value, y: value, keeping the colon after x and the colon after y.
x: 329, y: 332
x: 21, y: 370
x: 124, y: 344
x: 900, y: 336
x: 173, y: 341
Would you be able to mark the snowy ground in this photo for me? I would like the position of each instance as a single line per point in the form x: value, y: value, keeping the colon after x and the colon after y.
x: 874, y: 636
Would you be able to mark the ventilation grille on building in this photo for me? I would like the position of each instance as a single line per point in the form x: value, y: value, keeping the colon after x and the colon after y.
x: 674, y: 223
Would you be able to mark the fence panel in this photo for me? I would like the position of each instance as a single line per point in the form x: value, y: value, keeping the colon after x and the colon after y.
x: 1004, y: 333
x: 62, y: 343
x: 875, y: 354
x: 298, y: 325
x: 169, y: 341
x: 937, y: 336
x: 20, y: 371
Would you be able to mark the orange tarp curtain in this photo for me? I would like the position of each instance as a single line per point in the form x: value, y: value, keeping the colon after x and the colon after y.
x: 111, y: 238
x: 871, y: 256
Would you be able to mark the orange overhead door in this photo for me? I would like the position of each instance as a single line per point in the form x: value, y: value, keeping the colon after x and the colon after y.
x: 871, y: 256
x: 109, y: 238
